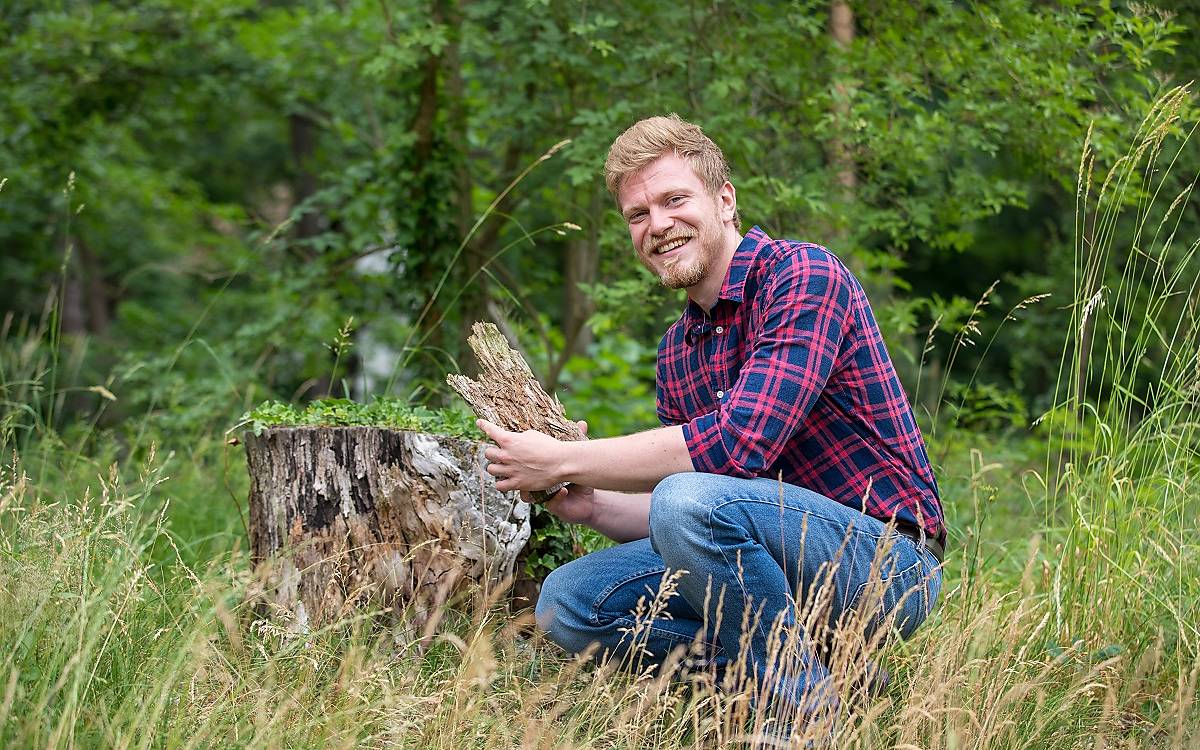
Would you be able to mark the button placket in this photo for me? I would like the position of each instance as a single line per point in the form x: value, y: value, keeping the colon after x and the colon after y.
x: 711, y: 347
x: 718, y: 361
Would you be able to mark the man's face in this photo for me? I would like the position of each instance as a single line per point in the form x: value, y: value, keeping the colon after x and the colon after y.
x: 675, y: 224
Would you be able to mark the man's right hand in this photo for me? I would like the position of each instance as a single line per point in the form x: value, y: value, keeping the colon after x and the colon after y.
x: 573, y: 503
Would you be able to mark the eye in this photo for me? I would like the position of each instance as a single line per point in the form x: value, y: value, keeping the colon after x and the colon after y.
x: 635, y: 217
x: 674, y: 200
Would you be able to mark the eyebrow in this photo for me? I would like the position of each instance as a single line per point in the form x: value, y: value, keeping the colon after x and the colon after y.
x: 666, y: 193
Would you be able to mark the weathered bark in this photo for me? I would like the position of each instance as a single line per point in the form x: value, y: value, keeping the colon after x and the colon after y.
x: 507, y: 394
x: 352, y: 516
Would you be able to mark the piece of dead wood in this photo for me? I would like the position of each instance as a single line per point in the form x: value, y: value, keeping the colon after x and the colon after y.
x: 507, y: 394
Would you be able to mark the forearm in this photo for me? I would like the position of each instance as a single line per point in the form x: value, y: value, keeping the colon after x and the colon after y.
x: 633, y: 463
x: 621, y: 516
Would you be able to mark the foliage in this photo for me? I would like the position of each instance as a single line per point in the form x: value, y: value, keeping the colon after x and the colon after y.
x: 985, y: 407
x: 382, y: 412
x: 246, y: 177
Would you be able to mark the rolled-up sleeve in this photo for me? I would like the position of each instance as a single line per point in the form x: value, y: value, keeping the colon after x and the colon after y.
x: 668, y: 412
x: 804, y: 307
x: 665, y: 403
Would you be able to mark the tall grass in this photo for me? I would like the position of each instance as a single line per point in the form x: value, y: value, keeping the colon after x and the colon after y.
x: 1123, y: 480
x: 1075, y: 627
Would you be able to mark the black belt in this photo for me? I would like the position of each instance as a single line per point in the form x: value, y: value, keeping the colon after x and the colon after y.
x: 921, y: 538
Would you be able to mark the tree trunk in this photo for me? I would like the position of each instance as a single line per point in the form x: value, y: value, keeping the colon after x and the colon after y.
x: 350, y: 516
x: 841, y: 28
x: 581, y: 265
x: 303, y: 131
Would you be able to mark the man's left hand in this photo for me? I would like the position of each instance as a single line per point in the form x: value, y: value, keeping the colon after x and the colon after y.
x: 528, y: 460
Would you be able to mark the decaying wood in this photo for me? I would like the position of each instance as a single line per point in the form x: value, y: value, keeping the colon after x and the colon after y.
x: 349, y: 516
x: 507, y: 394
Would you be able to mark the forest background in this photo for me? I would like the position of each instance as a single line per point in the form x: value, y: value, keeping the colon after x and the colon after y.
x: 208, y: 204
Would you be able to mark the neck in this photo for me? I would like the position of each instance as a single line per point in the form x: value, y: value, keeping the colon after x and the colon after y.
x: 705, y: 293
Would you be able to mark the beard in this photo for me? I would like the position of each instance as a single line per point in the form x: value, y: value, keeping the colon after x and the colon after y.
x: 687, y: 272
x: 682, y: 275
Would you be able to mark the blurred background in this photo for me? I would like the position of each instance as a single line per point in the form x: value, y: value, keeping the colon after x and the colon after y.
x: 202, y: 198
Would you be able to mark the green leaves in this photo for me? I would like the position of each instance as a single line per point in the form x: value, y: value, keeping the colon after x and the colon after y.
x: 363, y: 139
x: 382, y: 412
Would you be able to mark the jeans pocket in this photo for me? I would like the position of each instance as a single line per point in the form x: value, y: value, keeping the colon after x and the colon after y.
x: 899, y: 600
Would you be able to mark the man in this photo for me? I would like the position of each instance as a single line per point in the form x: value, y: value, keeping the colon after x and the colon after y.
x: 788, y: 459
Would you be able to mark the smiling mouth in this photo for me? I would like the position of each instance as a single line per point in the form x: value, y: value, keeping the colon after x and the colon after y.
x: 667, y: 247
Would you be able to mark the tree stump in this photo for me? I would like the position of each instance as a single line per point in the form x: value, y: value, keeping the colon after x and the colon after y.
x: 350, y: 516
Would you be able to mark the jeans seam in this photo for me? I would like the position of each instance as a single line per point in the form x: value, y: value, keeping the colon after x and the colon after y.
x: 741, y: 584
x: 669, y: 634
x: 597, y: 603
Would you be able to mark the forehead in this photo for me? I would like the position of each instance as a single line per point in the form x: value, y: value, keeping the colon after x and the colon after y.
x: 667, y: 172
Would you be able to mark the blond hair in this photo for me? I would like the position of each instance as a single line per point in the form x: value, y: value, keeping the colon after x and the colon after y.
x: 648, y: 139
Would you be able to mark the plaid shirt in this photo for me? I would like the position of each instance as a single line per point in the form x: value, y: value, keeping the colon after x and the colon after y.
x: 789, y: 373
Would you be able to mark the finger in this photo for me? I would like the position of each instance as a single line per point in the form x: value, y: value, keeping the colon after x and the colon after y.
x: 583, y: 427
x: 508, y: 485
x: 495, y: 432
x: 499, y: 470
x: 495, y: 454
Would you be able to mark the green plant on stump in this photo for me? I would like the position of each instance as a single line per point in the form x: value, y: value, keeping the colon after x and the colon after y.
x: 393, y: 413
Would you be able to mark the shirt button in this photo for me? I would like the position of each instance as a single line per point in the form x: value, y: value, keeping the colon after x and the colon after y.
x: 720, y: 329
x: 720, y: 394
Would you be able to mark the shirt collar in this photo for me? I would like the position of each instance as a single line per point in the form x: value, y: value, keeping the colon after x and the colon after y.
x: 739, y: 267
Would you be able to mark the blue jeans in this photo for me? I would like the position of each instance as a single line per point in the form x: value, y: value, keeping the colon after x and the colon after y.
x: 761, y: 558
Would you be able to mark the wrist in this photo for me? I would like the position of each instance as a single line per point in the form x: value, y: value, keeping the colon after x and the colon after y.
x: 589, y: 502
x: 568, y: 468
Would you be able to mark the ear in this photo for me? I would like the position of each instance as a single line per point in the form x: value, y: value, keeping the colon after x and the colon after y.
x: 727, y: 201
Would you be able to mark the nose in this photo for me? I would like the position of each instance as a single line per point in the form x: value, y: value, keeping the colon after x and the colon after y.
x: 660, y: 221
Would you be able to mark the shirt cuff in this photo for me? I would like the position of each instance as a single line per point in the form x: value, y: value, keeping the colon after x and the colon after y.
x: 706, y: 445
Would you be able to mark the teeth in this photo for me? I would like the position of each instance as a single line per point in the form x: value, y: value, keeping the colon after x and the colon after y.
x: 672, y: 245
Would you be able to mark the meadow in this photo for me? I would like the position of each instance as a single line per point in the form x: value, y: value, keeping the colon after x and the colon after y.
x: 1069, y: 618
x: 211, y: 205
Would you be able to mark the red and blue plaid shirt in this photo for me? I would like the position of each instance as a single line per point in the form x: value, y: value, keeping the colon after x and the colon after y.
x: 788, y: 374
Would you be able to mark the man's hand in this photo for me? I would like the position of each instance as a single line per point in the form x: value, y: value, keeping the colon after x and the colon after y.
x: 532, y: 460
x: 528, y: 460
x: 573, y: 503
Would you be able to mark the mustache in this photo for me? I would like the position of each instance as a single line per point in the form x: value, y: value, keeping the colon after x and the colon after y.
x: 653, y: 242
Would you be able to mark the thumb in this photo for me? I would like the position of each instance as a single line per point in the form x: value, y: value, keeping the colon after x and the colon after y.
x: 582, y: 427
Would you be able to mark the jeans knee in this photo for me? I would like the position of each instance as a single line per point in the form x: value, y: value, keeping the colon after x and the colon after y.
x: 679, y: 503
x: 560, y: 612
x: 552, y: 601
